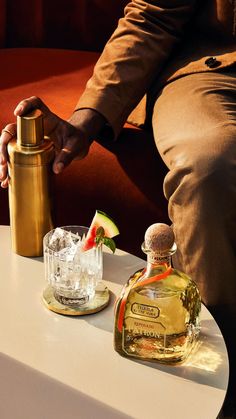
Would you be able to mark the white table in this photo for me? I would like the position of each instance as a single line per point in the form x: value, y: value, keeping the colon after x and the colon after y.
x: 58, y: 367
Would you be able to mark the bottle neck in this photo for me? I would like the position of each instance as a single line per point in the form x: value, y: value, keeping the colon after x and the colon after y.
x: 157, y: 259
x: 157, y: 263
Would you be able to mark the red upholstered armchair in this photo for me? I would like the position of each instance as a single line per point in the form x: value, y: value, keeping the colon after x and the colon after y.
x: 48, y: 49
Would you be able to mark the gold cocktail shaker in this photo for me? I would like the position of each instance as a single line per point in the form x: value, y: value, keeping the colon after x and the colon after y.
x: 30, y: 158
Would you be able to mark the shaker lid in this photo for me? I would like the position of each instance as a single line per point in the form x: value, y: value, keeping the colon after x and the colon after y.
x: 159, y: 237
x: 30, y: 128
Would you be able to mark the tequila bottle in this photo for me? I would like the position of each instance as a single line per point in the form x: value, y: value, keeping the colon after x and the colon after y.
x: 157, y: 313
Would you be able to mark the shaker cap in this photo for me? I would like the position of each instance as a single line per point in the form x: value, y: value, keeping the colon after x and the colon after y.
x: 159, y: 237
x: 30, y: 128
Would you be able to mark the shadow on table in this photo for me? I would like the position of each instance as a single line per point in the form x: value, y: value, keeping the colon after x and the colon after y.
x: 205, y: 365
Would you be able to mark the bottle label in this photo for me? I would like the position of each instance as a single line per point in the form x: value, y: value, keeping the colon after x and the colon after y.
x: 133, y: 285
x: 144, y: 327
x: 157, y: 258
x: 145, y: 310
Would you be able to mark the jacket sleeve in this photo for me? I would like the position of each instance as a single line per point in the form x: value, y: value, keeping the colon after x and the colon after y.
x: 133, y: 57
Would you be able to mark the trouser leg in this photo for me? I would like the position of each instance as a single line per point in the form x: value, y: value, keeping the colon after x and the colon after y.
x: 194, y: 125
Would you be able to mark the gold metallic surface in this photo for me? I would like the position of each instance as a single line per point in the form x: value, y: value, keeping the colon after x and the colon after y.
x: 98, y: 303
x: 29, y: 186
x: 30, y: 128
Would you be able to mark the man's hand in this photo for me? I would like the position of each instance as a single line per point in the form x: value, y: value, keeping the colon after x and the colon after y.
x: 72, y: 138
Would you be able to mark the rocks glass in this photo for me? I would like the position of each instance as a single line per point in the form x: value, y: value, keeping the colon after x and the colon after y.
x: 72, y: 273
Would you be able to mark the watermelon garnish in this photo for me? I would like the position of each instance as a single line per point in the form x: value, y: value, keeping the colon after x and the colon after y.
x: 101, y: 231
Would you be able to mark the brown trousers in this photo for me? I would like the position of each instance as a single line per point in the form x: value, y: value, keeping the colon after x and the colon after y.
x: 194, y: 124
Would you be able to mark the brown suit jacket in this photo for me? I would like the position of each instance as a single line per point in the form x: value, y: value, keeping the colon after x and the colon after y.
x: 156, y: 42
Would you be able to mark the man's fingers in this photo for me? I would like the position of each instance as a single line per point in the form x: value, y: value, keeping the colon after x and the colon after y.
x: 30, y: 104
x: 76, y: 146
x: 64, y: 157
x: 3, y: 172
x: 7, y: 134
x: 5, y: 183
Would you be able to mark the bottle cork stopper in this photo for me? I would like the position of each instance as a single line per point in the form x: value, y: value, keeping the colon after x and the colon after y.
x: 159, y: 237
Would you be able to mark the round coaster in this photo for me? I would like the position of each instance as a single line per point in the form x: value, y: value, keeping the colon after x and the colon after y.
x: 98, y: 303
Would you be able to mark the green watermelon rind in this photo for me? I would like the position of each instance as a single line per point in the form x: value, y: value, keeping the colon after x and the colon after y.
x: 103, y: 220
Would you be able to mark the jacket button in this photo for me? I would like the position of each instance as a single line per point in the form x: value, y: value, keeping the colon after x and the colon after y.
x: 212, y: 62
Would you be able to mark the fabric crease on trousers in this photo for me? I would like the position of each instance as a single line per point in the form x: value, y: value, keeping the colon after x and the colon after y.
x: 194, y: 125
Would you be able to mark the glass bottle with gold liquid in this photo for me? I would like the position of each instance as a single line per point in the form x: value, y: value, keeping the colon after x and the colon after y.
x: 157, y: 313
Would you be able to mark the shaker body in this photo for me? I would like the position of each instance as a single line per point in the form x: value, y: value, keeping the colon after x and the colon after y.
x: 30, y: 173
